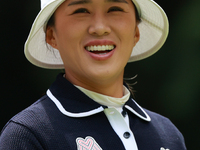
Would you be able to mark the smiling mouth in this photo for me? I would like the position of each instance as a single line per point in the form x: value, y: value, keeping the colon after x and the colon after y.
x: 100, y: 49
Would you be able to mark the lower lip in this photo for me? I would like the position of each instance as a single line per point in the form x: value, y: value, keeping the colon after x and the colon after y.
x: 101, y: 57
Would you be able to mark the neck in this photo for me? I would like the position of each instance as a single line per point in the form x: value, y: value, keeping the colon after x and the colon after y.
x: 113, y: 88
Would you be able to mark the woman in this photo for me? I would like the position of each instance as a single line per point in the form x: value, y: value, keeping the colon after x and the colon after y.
x: 89, y: 107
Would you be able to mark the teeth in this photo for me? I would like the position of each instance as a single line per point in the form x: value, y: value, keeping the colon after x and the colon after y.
x: 100, y: 47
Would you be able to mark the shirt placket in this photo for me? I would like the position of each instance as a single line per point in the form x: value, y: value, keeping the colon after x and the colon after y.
x: 121, y: 128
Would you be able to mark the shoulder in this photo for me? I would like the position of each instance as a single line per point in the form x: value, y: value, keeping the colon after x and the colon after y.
x: 33, y: 114
x: 20, y: 131
x: 165, y: 127
x: 38, y: 116
x: 159, y: 120
x: 31, y: 127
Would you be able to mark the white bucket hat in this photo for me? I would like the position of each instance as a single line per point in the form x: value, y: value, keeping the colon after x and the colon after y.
x: 153, y: 33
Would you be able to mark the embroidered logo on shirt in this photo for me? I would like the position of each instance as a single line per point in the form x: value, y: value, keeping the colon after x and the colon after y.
x: 164, y: 148
x: 87, y: 144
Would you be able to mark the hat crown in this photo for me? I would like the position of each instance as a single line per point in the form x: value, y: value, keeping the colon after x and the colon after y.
x: 44, y: 3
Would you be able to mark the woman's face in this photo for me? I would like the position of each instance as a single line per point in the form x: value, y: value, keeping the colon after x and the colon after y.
x: 94, y: 37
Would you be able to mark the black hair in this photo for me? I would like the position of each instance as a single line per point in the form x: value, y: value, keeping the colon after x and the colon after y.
x: 51, y: 21
x: 138, y: 19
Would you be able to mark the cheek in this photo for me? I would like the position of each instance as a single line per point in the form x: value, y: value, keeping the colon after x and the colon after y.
x: 68, y: 38
x: 70, y: 29
x: 127, y: 39
x: 125, y: 27
x: 127, y: 36
x: 69, y: 44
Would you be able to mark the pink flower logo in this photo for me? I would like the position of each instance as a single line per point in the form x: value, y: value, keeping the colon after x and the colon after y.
x: 87, y: 144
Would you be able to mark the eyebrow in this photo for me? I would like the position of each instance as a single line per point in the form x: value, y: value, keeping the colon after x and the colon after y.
x: 89, y: 1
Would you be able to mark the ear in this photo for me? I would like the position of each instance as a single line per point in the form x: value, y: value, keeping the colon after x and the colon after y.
x: 50, y: 37
x: 137, y: 35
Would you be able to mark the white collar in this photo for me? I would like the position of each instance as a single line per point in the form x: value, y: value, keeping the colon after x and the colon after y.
x: 107, y: 100
x: 85, y: 105
x: 137, y: 112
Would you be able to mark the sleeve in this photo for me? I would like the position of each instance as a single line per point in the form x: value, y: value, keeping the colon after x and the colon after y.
x: 15, y: 136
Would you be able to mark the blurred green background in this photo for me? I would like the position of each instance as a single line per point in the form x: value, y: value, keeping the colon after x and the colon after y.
x: 167, y: 83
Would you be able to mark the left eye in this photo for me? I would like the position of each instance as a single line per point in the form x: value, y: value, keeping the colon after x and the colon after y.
x: 81, y: 10
x: 115, y: 8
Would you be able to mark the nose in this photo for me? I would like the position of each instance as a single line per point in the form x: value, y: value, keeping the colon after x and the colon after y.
x: 99, y: 26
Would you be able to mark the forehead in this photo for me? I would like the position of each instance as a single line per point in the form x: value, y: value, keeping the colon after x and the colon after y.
x: 98, y: 2
x: 76, y: 2
x: 68, y: 3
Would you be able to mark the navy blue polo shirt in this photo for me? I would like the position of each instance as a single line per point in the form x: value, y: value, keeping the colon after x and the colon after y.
x: 67, y: 119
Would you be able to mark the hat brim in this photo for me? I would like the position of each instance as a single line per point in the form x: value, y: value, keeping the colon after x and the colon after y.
x: 153, y: 33
x: 153, y: 28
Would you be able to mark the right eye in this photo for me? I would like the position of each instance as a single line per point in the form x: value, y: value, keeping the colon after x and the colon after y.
x: 115, y: 8
x: 81, y: 10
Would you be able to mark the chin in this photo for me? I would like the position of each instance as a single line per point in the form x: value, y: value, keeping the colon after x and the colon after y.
x: 105, y: 75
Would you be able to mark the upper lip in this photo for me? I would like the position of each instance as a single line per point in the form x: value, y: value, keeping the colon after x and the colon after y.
x: 100, y: 42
